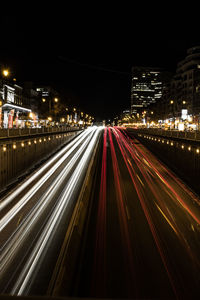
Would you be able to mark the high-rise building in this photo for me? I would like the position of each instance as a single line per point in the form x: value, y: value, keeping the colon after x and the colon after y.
x: 183, y: 93
x: 187, y: 82
x: 146, y: 87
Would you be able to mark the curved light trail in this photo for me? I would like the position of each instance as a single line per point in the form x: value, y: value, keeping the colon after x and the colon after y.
x: 64, y: 188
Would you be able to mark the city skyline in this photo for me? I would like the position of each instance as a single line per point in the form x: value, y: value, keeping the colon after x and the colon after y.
x: 92, y: 65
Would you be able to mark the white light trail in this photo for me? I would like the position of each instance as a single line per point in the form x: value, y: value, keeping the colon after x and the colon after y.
x: 20, y: 233
x: 8, y: 199
x: 53, y: 222
x: 84, y: 146
x: 11, y: 214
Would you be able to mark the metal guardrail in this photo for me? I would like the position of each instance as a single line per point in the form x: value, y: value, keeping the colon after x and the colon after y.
x: 21, y: 132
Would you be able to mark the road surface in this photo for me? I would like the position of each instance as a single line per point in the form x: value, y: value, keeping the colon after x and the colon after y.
x: 142, y: 239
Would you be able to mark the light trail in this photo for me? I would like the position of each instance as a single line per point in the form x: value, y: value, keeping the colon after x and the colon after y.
x: 151, y: 185
x: 171, y: 194
x: 20, y: 204
x: 50, y: 228
x: 181, y: 214
x: 122, y: 143
x: 122, y: 214
x: 10, y: 251
x: 6, y: 200
x: 175, y: 195
x: 22, y: 232
x: 99, y: 272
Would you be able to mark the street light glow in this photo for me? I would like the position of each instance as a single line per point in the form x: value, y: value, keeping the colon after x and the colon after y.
x: 5, y: 73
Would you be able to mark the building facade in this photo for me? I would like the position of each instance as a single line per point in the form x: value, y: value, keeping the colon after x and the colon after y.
x: 187, y: 82
x: 14, y: 107
x: 181, y: 100
x: 146, y: 87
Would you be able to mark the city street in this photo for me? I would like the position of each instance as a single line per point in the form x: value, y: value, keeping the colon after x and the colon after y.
x: 35, y: 216
x: 99, y: 153
x: 143, y: 227
x: 143, y: 236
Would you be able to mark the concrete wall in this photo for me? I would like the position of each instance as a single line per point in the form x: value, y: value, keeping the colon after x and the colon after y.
x: 18, y: 156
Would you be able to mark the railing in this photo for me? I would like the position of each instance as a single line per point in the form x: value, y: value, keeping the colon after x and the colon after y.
x: 187, y: 135
x: 21, y: 132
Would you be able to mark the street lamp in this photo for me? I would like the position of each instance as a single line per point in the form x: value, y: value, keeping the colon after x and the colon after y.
x: 5, y: 73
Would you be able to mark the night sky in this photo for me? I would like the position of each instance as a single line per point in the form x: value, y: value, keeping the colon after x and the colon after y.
x: 87, y: 54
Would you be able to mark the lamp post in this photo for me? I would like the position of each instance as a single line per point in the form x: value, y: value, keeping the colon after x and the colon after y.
x: 173, y: 117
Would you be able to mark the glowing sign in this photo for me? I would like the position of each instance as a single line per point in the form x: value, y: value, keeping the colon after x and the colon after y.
x: 184, y: 114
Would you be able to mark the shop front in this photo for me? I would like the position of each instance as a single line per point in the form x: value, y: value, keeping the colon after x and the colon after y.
x: 14, y: 116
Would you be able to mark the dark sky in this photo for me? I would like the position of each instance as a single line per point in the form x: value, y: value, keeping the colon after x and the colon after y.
x: 87, y: 53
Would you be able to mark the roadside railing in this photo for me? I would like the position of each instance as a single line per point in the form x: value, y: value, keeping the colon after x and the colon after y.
x: 22, y: 132
x: 187, y: 135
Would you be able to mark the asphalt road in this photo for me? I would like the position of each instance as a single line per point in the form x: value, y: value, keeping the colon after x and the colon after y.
x: 143, y: 238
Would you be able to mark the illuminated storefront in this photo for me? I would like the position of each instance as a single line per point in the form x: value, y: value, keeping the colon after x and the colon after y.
x: 12, y: 108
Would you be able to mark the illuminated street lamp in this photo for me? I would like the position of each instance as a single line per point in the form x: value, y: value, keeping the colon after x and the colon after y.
x: 56, y: 100
x: 5, y: 73
x: 31, y: 115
